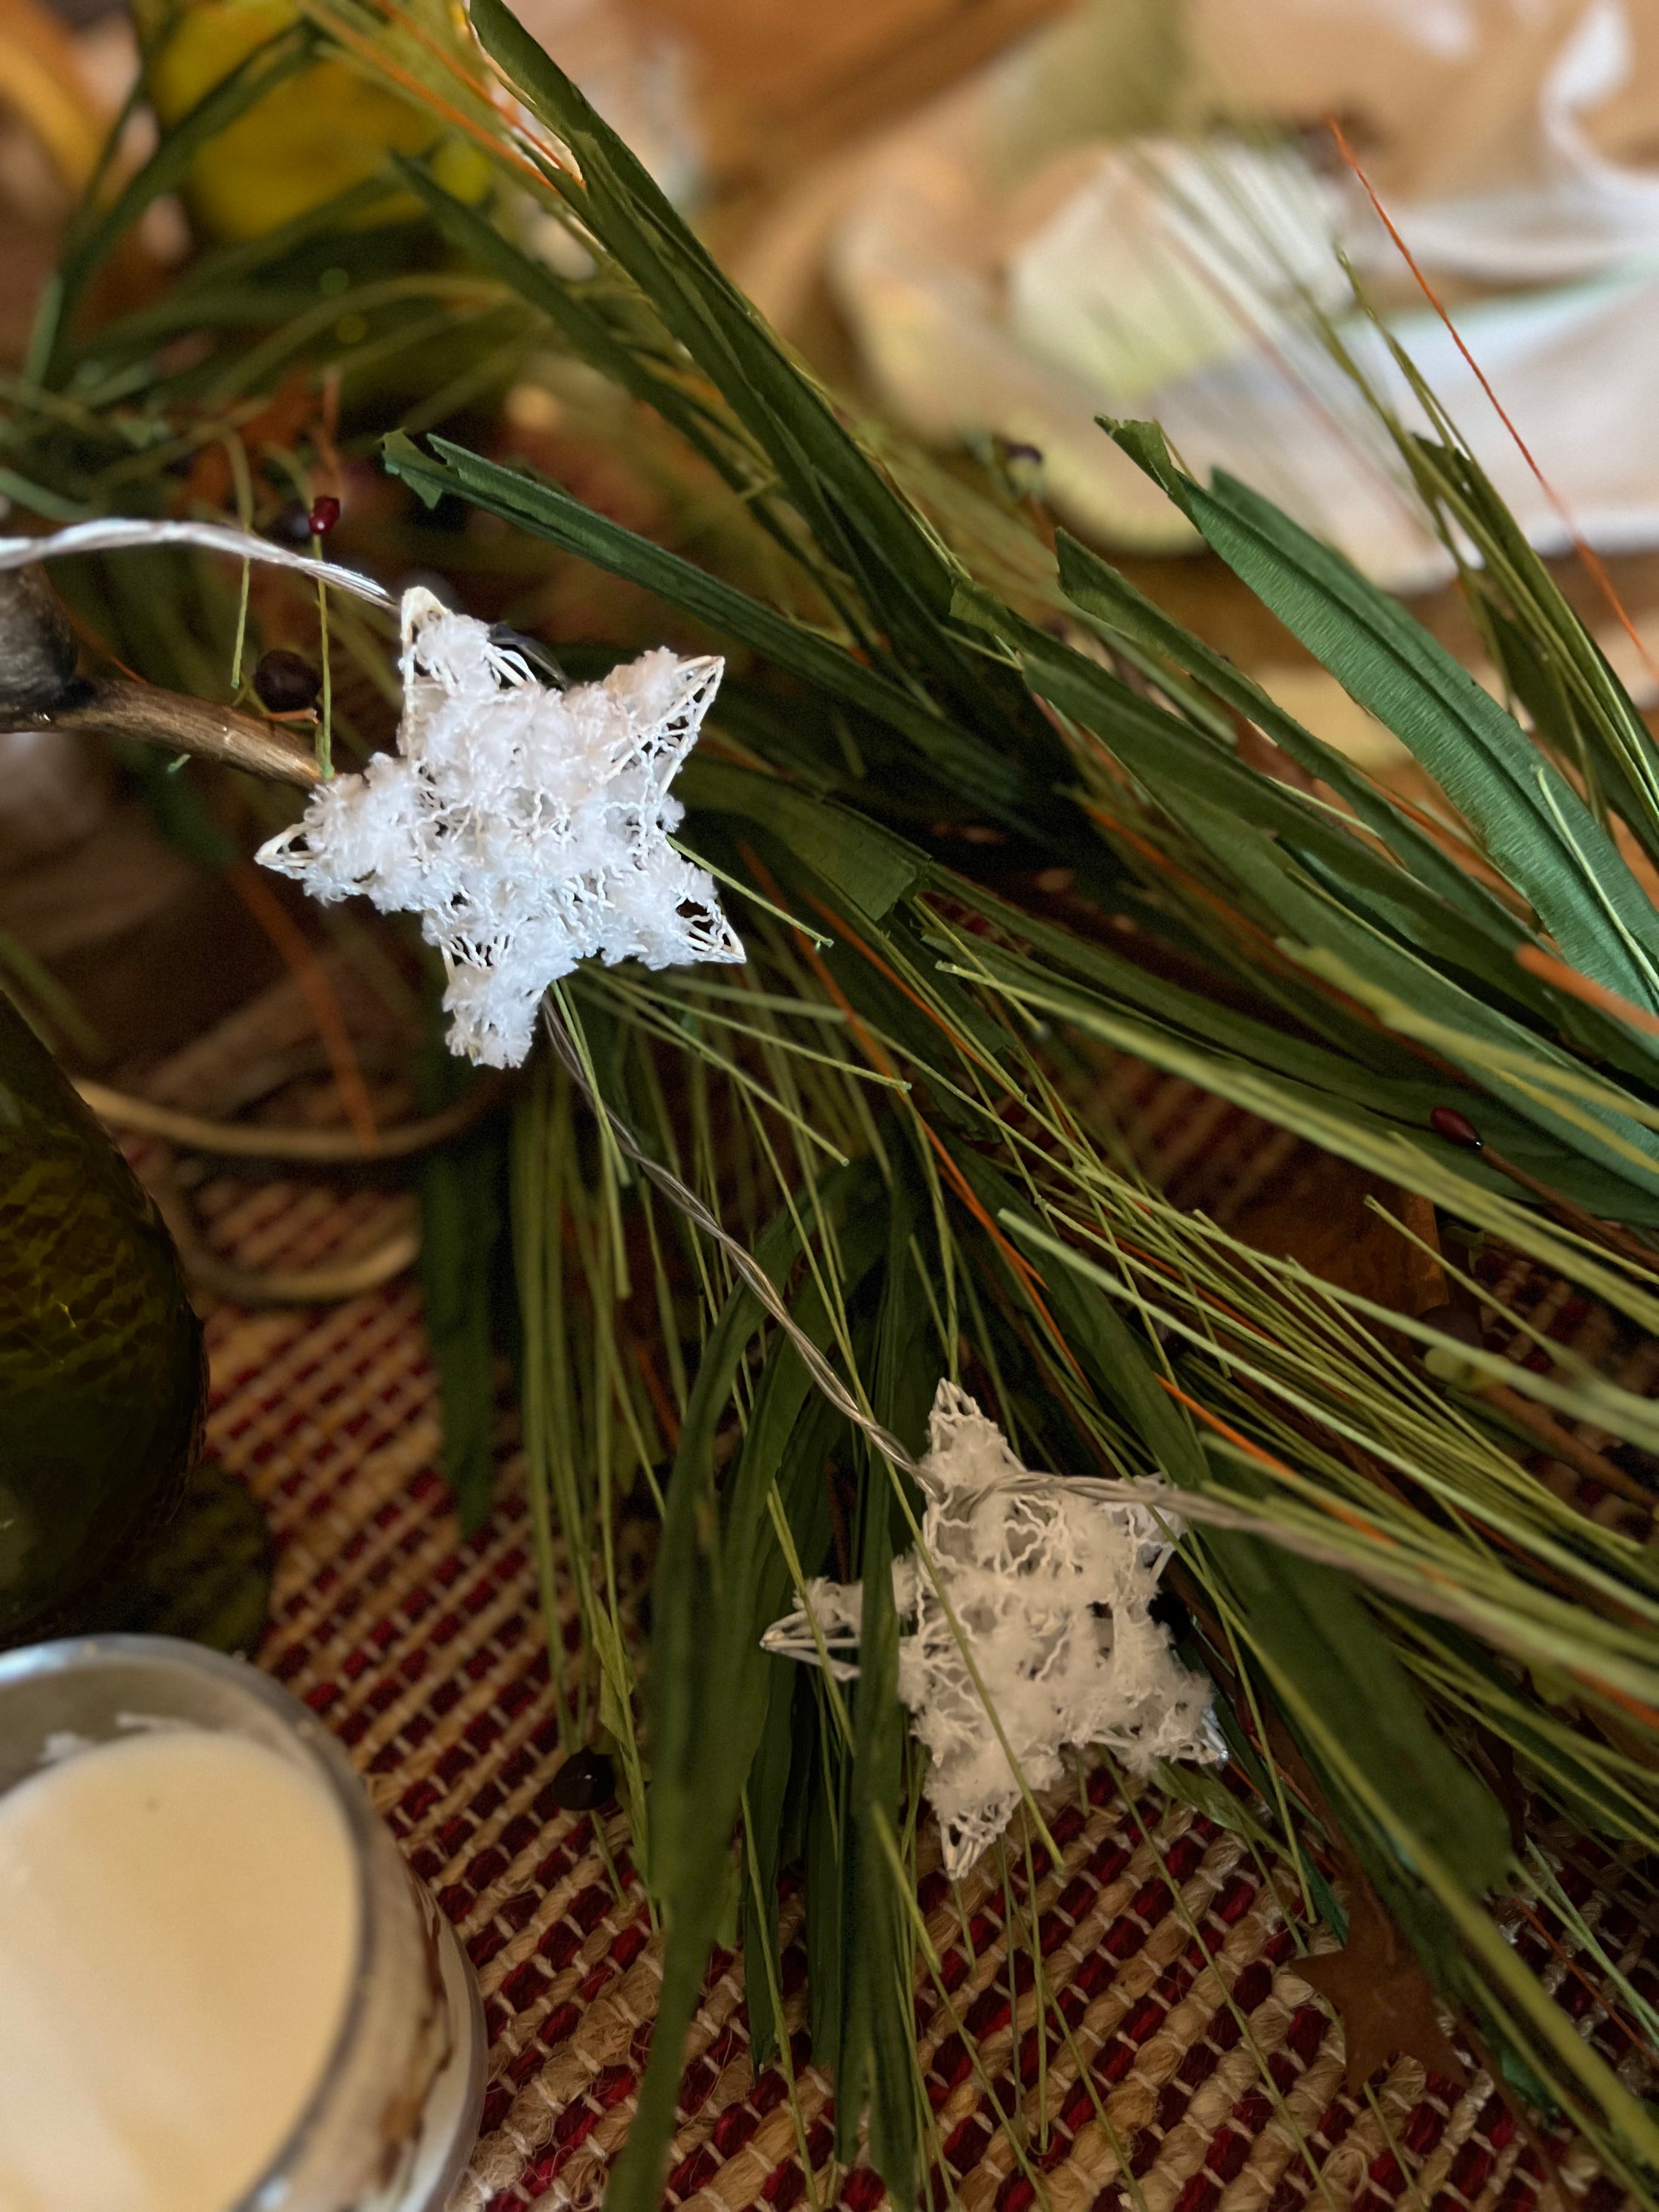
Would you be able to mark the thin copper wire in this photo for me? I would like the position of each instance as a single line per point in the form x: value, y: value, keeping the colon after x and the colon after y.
x: 290, y: 941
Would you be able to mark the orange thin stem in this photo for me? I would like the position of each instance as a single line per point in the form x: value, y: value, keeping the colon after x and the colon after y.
x: 1535, y: 1921
x: 1252, y: 1450
x: 1273, y: 955
x: 290, y: 941
x: 366, y: 50
x: 662, y: 1405
x: 1591, y: 560
x: 1027, y: 1275
x: 1539, y: 964
x: 1621, y: 1697
x: 477, y: 87
x: 882, y: 967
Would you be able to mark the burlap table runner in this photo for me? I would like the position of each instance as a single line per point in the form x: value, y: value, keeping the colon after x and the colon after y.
x: 1162, y: 1936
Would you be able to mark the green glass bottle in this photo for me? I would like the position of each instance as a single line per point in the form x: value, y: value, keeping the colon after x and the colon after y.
x: 110, y: 1518
x: 102, y: 1380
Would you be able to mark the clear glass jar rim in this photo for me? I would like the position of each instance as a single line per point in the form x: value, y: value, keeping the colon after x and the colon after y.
x: 76, y: 1654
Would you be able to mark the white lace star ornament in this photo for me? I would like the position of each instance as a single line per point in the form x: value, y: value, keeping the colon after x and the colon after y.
x: 1051, y: 1586
x: 528, y: 827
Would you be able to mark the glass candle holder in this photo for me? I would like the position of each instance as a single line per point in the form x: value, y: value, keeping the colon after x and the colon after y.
x: 390, y: 2121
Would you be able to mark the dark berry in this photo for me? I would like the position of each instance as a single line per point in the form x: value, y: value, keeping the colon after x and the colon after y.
x: 587, y: 1779
x: 324, y: 513
x: 291, y: 524
x: 1456, y: 1128
x: 285, y: 683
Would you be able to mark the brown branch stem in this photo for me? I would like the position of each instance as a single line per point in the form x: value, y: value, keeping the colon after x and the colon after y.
x: 117, y: 709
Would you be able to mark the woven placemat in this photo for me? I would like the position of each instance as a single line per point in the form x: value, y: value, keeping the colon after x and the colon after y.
x: 1218, y: 2073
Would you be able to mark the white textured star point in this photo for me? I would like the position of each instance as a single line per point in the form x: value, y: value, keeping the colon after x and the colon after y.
x: 529, y: 827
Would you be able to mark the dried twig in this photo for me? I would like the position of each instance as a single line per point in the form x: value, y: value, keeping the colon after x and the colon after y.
x: 278, y: 1286
x: 156, y: 717
x: 253, y: 1140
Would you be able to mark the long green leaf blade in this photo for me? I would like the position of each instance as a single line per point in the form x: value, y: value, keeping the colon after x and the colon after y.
x: 1530, y: 820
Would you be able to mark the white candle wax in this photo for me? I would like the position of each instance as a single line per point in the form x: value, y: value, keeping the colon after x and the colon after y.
x: 178, y: 1931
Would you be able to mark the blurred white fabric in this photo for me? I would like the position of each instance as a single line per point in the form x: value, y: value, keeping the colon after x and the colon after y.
x: 1120, y: 217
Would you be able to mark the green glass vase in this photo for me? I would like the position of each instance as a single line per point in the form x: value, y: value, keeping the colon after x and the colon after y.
x: 102, y: 1380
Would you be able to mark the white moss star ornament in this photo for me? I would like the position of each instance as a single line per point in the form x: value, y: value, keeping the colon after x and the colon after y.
x: 1051, y: 1585
x: 528, y: 827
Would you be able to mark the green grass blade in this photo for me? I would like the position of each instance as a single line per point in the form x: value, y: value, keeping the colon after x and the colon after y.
x: 1097, y: 588
x: 878, y: 2034
x: 848, y: 503
x: 720, y: 1579
x: 549, y: 513
x: 1531, y: 822
x: 167, y: 170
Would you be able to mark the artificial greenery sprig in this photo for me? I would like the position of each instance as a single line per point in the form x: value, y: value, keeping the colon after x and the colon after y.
x: 890, y: 1123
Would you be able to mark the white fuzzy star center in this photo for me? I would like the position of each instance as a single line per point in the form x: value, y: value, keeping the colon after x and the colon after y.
x: 528, y: 827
